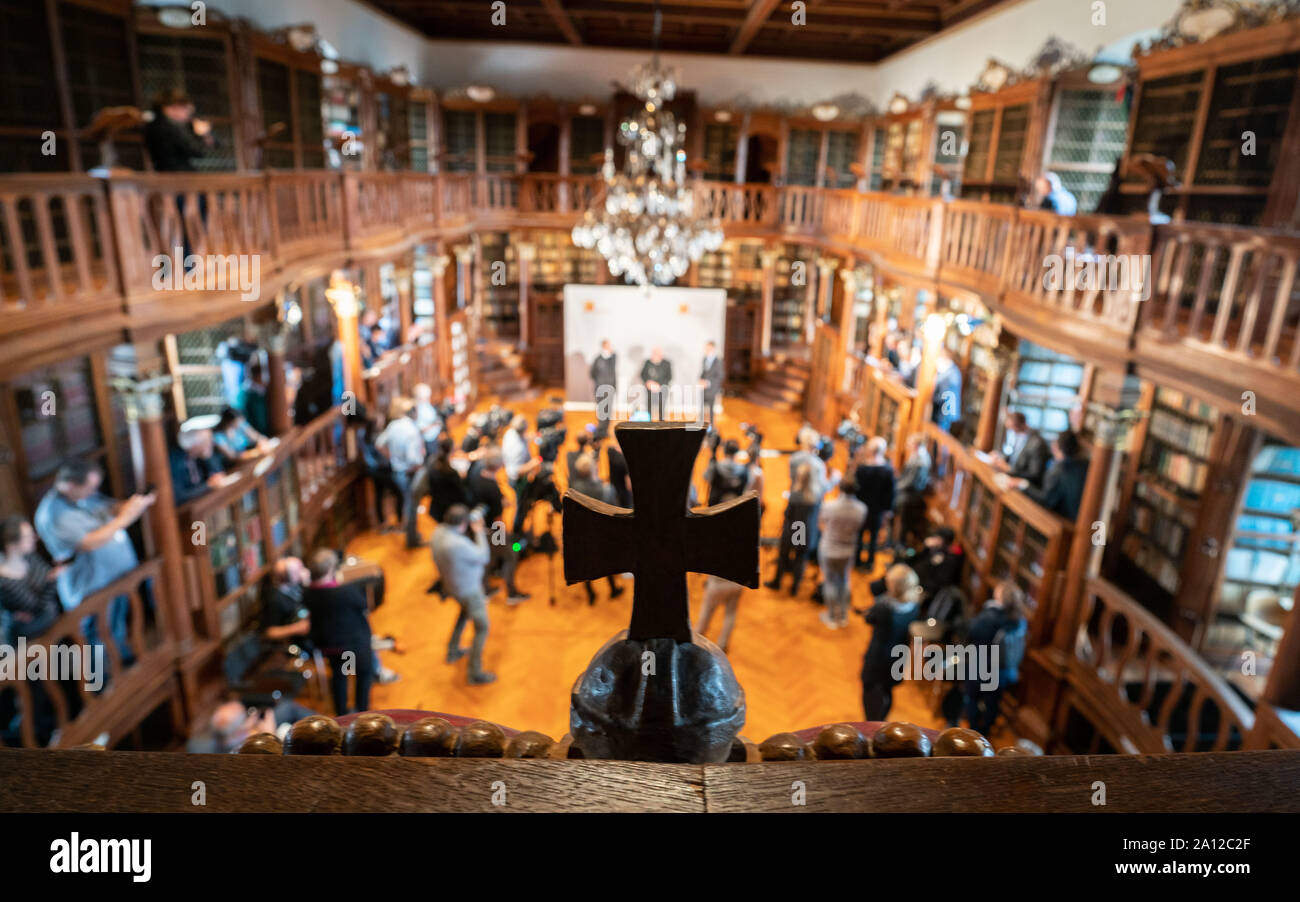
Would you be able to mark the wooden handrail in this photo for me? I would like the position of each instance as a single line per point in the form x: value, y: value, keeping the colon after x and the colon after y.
x: 1118, y: 644
x: 99, y: 710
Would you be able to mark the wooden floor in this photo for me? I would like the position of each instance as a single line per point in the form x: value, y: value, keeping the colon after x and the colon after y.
x: 795, y: 672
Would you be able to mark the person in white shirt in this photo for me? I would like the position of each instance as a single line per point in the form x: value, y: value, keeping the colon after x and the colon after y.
x: 403, y: 444
x: 426, y: 417
x: 520, y: 465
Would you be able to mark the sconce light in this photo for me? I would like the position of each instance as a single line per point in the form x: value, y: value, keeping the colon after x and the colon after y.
x: 342, y: 295
x: 825, y: 112
x: 480, y: 93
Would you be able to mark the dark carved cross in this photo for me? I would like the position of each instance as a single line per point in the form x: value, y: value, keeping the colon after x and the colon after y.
x: 660, y: 540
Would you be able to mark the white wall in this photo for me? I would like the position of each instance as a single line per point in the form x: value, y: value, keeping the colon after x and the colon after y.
x: 951, y: 60
x: 1014, y: 34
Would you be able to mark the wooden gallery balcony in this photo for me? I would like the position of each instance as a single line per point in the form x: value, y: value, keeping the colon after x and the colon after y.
x: 1210, y: 309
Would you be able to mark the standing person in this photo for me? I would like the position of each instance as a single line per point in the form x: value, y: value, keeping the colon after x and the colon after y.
x: 87, y: 531
x: 174, y: 137
x: 657, y: 374
x: 376, y: 466
x: 889, y: 617
x: 441, y: 482
x: 807, y: 454
x: 484, y: 492
x: 1025, y: 452
x: 520, y: 466
x: 710, y: 383
x: 619, y: 478
x: 1000, y: 626
x: 841, y: 523
x: 727, y: 478
x: 461, y: 554
x: 427, y: 417
x: 909, y: 492
x: 340, y: 629
x: 874, y: 477
x: 945, y: 402
x: 586, y: 481
x: 792, y: 554
x: 402, y: 442
x: 604, y: 379
x: 719, y: 592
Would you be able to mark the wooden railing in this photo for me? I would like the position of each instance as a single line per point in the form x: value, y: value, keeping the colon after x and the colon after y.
x: 1217, y: 294
x: 83, y: 708
x: 1142, y: 686
x: 398, y: 372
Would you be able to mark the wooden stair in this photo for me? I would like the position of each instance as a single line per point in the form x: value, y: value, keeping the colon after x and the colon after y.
x: 784, y: 380
x: 501, y: 372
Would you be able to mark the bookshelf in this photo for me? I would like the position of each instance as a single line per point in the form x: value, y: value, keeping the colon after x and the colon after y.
x: 1047, y: 387
x: 790, y: 299
x: 1167, y: 482
x: 500, y: 264
x: 1221, y: 110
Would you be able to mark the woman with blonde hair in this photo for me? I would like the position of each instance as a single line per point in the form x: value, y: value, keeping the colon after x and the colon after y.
x: 889, y: 618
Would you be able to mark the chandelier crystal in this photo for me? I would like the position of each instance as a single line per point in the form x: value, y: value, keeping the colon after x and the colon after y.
x: 644, y: 223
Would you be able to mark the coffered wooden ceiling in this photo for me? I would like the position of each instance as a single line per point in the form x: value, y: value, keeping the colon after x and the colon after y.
x: 843, y: 30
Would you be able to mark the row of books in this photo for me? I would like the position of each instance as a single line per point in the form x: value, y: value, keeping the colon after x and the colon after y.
x: 1157, y: 566
x: 1191, y: 436
x: 1183, y: 470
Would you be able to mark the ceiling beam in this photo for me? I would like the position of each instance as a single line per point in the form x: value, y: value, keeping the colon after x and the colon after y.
x: 759, y: 12
x: 562, y: 21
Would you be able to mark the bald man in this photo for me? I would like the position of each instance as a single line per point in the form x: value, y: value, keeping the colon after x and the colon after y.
x: 657, y: 374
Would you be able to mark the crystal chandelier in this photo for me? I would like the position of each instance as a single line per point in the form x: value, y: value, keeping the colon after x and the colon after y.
x: 644, y: 224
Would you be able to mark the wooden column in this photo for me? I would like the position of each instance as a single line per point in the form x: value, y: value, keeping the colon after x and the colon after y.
x: 742, y: 149
x: 932, y: 332
x: 845, y: 324
x: 987, y: 431
x: 826, y: 267
x: 342, y: 295
x: 144, y: 402
x: 527, y: 252
x: 1283, y: 687
x: 441, y: 322
x: 564, y: 148
x: 768, y: 257
x: 405, y: 298
x: 812, y: 274
x: 464, y: 276
x: 276, y: 343
x: 1113, y: 423
x: 880, y: 306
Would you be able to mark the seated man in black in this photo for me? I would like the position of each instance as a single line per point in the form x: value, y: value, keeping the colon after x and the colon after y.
x: 340, y: 628
x: 195, y: 465
x: 1062, y: 490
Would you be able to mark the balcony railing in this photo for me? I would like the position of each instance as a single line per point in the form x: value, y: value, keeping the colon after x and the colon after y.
x: 75, y: 707
x: 1206, y: 295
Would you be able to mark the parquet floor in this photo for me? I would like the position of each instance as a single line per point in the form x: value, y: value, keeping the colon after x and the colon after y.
x: 795, y: 672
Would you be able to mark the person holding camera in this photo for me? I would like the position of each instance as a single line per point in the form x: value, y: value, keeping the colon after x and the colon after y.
x: 484, y: 493
x: 461, y: 553
x: 520, y: 466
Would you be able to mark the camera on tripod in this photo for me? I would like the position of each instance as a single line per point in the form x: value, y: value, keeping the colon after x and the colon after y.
x: 849, y: 432
x: 551, y: 433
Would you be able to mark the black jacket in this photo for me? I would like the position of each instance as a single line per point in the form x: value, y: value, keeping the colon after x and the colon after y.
x: 1062, y: 489
x: 484, y: 490
x: 712, y: 373
x: 661, y: 372
x: 875, y: 484
x: 172, y: 145
x: 1032, y: 460
x: 604, y: 370
x: 889, y: 621
x: 339, y: 620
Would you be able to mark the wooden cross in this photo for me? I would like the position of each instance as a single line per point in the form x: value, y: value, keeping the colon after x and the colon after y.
x: 660, y: 540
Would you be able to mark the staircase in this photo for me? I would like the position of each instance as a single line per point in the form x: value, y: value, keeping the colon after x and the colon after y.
x: 784, y: 380
x: 501, y: 372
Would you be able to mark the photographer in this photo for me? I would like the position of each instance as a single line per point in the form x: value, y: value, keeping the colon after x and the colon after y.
x: 520, y: 466
x: 726, y: 478
x: 485, y: 494
x: 461, y: 553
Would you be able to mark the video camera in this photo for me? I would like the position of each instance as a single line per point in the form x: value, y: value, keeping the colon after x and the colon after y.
x: 849, y: 432
x: 551, y: 433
